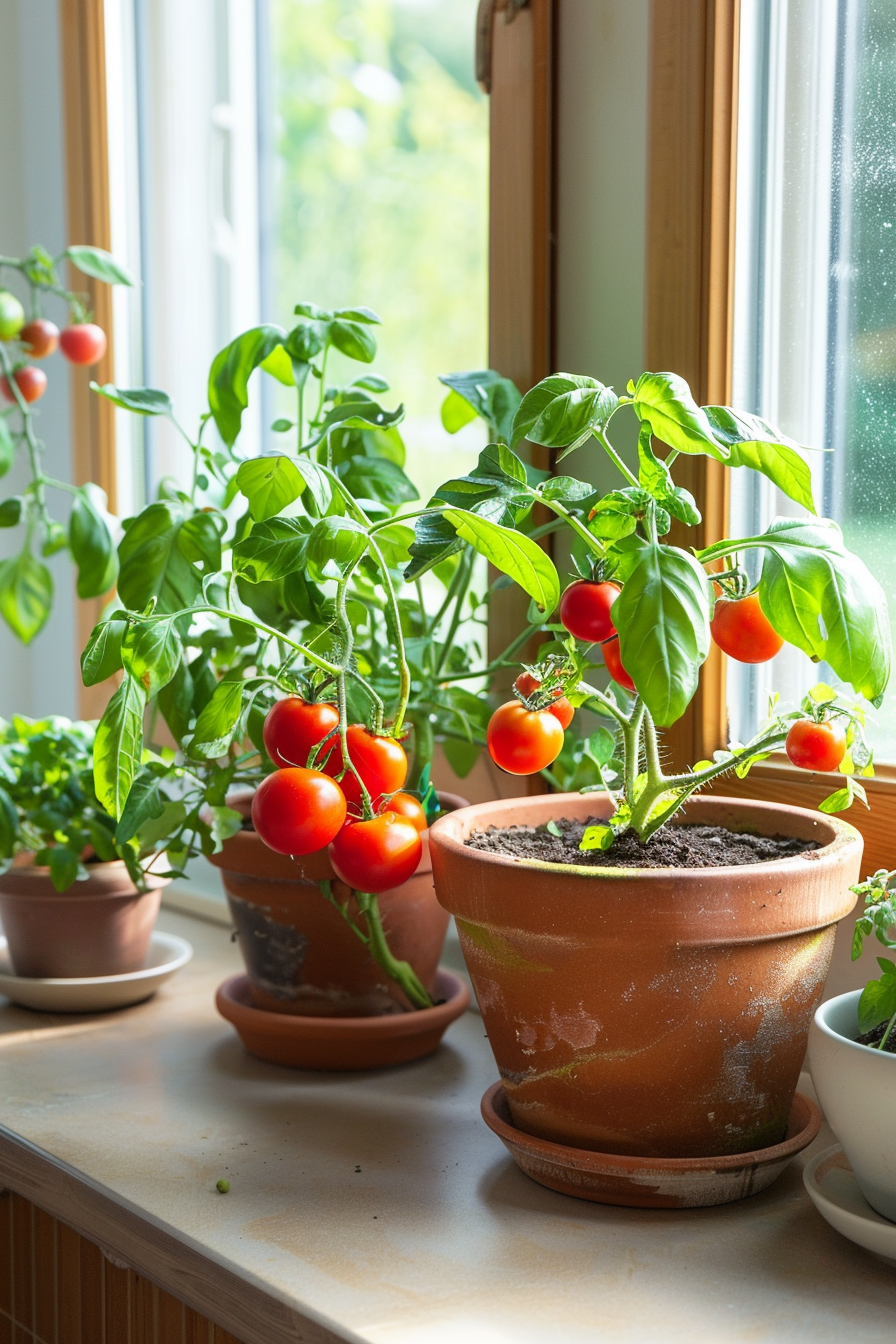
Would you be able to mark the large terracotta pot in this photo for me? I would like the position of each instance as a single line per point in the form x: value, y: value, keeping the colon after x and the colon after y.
x: 651, y: 1012
x: 300, y: 954
x: 101, y: 926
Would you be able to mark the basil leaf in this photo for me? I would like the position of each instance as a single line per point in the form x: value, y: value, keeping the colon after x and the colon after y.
x: 141, y: 400
x: 272, y: 549
x: 662, y: 615
x: 101, y: 658
x: 153, y: 566
x: 215, y: 726
x: 228, y: 380
x: 7, y: 446
x: 26, y: 595
x: 563, y: 410
x: 753, y: 442
x: 664, y: 402
x: 481, y: 392
x: 151, y: 654
x: 335, y: 545
x: 99, y: 265
x: 269, y: 484
x: 515, y: 554
x: 91, y: 544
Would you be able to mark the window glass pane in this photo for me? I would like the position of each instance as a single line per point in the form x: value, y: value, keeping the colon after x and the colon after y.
x: 376, y: 191
x: 815, y: 321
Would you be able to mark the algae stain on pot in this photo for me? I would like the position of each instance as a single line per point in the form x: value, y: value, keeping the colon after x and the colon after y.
x: 274, y: 953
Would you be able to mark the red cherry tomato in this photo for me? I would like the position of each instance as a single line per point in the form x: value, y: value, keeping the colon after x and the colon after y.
x: 816, y: 746
x: 560, y: 707
x: 31, y: 382
x: 610, y: 650
x: 523, y: 741
x: 743, y: 631
x: 40, y: 338
x: 293, y: 727
x: 380, y: 761
x: 376, y: 855
x: 405, y: 805
x: 298, y: 811
x: 585, y: 610
x: 83, y: 343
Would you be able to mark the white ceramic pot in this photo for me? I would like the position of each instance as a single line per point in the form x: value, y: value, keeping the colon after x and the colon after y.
x: 857, y: 1090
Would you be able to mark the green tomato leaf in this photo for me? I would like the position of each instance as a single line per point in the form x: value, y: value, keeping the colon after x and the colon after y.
x: 562, y: 411
x: 824, y: 600
x: 215, y: 726
x: 435, y: 542
x: 151, y: 654
x: 753, y: 442
x: 118, y: 746
x: 334, y: 547
x: 153, y: 565
x: 272, y: 550
x: 877, y: 1003
x: 144, y: 804
x: 513, y: 553
x: 99, y: 265
x: 567, y: 489
x: 141, y: 400
x: 664, y: 402
x: 484, y: 393
x: 7, y: 446
x: 26, y: 595
x: 376, y: 478
x: 63, y: 864
x: 101, y: 658
x: 228, y: 380
x: 269, y: 484
x: 91, y: 544
x: 662, y: 615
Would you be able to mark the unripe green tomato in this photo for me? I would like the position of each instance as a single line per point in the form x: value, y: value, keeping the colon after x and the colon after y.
x: 12, y: 315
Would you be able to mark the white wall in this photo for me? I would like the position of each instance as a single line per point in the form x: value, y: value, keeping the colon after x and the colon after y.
x: 42, y: 678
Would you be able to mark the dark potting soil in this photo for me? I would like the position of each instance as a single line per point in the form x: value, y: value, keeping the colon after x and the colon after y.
x: 673, y: 847
x: 876, y: 1034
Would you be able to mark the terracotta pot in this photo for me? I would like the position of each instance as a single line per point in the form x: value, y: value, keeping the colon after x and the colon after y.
x: 300, y: 954
x: 650, y: 1012
x: 98, y: 927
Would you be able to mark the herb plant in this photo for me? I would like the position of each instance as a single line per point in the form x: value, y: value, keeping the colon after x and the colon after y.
x: 877, y: 1005
x: 49, y: 809
x: 26, y: 585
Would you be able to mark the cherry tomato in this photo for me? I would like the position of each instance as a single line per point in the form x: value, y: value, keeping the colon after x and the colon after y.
x: 40, y: 338
x: 523, y: 741
x: 816, y: 746
x: 743, y: 631
x: 408, y: 807
x: 560, y: 707
x: 12, y: 315
x: 297, y: 811
x: 31, y: 382
x: 376, y: 855
x: 380, y: 761
x: 610, y: 650
x: 83, y: 343
x: 585, y: 610
x: 293, y: 726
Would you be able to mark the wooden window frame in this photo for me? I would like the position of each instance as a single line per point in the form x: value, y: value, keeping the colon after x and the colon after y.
x: 689, y: 323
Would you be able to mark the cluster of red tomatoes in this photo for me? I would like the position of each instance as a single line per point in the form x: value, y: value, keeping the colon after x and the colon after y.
x: 299, y: 810
x: 523, y: 741
x: 81, y: 343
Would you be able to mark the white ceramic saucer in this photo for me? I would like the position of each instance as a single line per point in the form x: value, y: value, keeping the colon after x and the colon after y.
x: 93, y: 994
x: 835, y: 1193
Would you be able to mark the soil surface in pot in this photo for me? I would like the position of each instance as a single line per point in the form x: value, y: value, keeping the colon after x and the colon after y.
x: 673, y: 847
x: 876, y: 1034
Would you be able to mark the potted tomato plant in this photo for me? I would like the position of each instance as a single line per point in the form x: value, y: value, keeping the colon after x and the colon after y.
x: 274, y: 620
x: 646, y: 981
x: 27, y: 336
x: 79, y: 889
x: 852, y: 1055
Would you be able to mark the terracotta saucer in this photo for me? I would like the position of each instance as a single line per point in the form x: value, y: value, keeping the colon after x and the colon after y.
x: 650, y: 1182
x: 341, y: 1043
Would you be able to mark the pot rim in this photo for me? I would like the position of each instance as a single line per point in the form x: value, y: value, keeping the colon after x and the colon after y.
x: 32, y: 872
x: 844, y: 835
x: 851, y: 998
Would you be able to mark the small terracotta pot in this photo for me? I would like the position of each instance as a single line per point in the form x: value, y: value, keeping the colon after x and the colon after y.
x: 101, y: 926
x: 651, y: 1012
x: 300, y: 954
